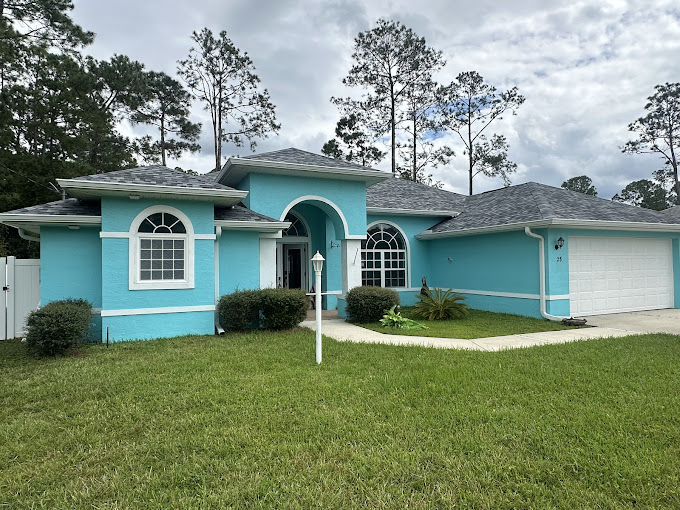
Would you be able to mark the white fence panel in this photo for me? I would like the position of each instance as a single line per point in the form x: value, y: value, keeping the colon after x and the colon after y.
x: 3, y: 298
x: 20, y: 294
x: 26, y: 292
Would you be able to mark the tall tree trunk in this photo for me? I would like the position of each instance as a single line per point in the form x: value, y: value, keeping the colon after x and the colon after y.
x: 163, y: 139
x: 218, y: 156
x: 415, y: 149
x: 394, y: 132
x: 674, y: 164
x: 470, y: 153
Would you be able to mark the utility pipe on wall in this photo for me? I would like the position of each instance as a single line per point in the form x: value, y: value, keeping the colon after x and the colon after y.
x: 218, y: 234
x: 541, y: 271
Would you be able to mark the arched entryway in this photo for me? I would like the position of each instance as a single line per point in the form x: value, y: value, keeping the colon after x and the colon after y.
x: 317, y: 224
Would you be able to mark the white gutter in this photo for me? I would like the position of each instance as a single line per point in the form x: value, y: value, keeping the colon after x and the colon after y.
x: 566, y: 223
x: 28, y: 237
x: 84, y: 187
x: 259, y: 226
x: 410, y: 212
x: 218, y: 234
x: 320, y: 171
x: 541, y: 272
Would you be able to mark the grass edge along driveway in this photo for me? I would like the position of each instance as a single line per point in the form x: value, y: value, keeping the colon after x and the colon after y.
x: 249, y: 420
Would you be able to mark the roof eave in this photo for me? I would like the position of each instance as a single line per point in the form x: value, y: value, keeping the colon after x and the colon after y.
x: 80, y: 188
x: 411, y: 212
x: 370, y: 177
x: 32, y: 222
x: 557, y: 222
x: 259, y: 226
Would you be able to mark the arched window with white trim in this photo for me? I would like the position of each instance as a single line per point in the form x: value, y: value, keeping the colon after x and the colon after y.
x: 161, y: 250
x: 297, y: 226
x: 383, y: 257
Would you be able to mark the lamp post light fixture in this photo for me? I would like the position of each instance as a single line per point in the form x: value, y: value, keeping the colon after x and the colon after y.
x: 317, y: 261
x: 560, y: 243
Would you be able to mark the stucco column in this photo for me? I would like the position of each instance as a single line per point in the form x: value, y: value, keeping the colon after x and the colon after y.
x: 351, y: 264
x: 267, y: 261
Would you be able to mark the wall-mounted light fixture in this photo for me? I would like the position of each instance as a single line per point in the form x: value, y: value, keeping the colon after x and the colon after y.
x: 74, y: 227
x: 559, y: 243
x: 334, y: 245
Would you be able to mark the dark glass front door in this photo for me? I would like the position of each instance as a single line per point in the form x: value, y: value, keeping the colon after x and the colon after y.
x: 294, y: 265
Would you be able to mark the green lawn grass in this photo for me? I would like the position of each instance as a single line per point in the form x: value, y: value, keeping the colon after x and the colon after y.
x: 478, y: 324
x: 250, y: 421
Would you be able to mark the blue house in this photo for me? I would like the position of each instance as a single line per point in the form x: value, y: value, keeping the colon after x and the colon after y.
x: 153, y: 248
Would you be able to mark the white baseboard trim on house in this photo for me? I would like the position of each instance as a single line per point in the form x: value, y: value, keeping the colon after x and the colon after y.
x: 151, y: 311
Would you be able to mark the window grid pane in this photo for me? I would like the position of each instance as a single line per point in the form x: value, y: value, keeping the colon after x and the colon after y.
x: 164, y: 261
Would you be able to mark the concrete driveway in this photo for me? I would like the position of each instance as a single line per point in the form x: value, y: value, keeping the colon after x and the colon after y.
x: 653, y: 321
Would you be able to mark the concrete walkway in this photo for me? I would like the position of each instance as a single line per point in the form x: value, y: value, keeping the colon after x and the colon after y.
x: 343, y: 331
x: 653, y: 321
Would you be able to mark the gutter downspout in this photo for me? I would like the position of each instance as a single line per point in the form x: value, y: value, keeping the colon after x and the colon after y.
x: 218, y: 233
x: 541, y: 271
x: 28, y: 237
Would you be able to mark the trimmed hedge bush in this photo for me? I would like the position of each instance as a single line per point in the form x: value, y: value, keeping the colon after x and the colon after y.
x: 274, y: 309
x: 240, y: 310
x: 58, y: 326
x: 368, y: 304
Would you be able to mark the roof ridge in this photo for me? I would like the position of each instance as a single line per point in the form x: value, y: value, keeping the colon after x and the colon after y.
x: 544, y: 208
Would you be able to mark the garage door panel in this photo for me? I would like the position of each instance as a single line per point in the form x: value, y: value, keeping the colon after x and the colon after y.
x: 609, y: 275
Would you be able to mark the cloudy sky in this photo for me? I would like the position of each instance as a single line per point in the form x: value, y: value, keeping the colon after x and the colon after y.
x: 585, y: 68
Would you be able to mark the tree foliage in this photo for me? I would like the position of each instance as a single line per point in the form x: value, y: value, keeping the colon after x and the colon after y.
x: 658, y: 132
x: 224, y: 79
x: 421, y: 126
x: 58, y: 108
x: 581, y: 184
x: 643, y: 193
x: 469, y: 106
x: 390, y: 62
x: 352, y: 142
x: 166, y: 106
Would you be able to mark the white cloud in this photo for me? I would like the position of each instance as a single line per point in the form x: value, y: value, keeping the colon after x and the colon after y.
x: 585, y: 69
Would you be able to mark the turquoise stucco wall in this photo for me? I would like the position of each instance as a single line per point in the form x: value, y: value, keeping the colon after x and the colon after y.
x: 117, y: 215
x: 271, y: 194
x: 70, y: 264
x: 239, y: 261
x: 504, y: 262
x: 508, y: 262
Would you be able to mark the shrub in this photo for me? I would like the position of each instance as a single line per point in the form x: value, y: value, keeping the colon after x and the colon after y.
x: 368, y: 304
x: 436, y: 304
x: 58, y: 326
x: 283, y: 308
x: 240, y: 310
x: 266, y: 308
x: 393, y: 319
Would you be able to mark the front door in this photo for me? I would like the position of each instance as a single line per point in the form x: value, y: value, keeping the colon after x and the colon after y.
x: 293, y: 263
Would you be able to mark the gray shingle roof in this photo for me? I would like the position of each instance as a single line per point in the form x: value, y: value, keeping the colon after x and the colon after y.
x: 534, y: 202
x: 409, y: 195
x: 156, y: 175
x: 300, y: 157
x: 68, y: 207
x: 240, y: 213
x: 673, y: 212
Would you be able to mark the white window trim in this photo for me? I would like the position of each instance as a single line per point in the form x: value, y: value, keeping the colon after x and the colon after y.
x: 407, y: 278
x: 135, y: 283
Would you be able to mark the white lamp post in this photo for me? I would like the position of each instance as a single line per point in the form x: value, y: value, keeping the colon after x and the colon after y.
x: 317, y: 260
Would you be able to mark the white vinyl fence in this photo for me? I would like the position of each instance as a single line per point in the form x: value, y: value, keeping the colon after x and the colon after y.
x: 20, y: 295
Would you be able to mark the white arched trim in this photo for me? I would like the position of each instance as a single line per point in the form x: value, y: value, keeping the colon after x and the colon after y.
x: 134, y: 226
x: 135, y: 283
x: 408, y: 245
x: 316, y: 198
x: 303, y: 221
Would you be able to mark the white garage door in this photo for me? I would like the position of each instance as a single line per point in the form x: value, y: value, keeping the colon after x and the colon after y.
x: 617, y: 274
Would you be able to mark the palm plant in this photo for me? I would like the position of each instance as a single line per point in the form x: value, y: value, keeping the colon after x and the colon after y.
x: 435, y: 304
